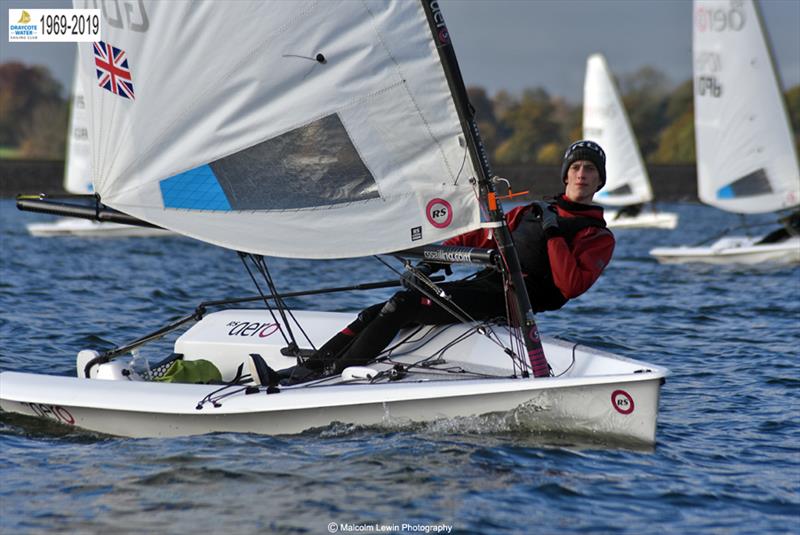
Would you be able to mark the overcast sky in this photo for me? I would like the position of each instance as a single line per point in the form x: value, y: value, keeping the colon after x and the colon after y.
x: 515, y: 44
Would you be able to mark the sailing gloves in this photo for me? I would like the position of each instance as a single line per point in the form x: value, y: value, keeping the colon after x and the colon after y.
x: 548, y: 214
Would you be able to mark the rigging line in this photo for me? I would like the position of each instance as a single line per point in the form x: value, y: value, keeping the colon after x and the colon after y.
x: 260, y: 264
x: 387, y: 355
x: 244, y: 257
x: 447, y: 305
x: 483, y: 328
x: 463, y: 163
x: 215, y: 401
x: 427, y: 362
x: 455, y: 310
x: 571, y: 364
x: 514, y: 335
x: 209, y: 398
x: 313, y: 382
x: 441, y: 352
x: 279, y: 298
x: 436, y: 371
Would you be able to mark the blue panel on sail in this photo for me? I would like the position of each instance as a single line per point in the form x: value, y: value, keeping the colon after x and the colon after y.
x: 725, y: 193
x: 195, y: 189
x: 751, y: 184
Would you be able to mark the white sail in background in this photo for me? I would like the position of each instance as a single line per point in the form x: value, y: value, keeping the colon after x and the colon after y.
x: 746, y: 156
x: 78, y: 172
x: 605, y: 121
x: 300, y: 129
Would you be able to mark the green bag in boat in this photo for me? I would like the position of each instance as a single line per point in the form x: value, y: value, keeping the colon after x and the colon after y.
x: 190, y: 371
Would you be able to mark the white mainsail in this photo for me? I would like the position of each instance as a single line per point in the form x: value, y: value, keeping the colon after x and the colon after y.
x: 78, y: 172
x: 606, y: 122
x: 293, y: 128
x: 746, y: 156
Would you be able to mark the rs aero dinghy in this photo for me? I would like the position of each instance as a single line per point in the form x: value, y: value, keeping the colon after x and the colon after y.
x: 746, y: 154
x: 356, y: 111
x: 628, y: 183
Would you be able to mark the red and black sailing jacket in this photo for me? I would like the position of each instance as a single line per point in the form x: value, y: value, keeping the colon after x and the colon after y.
x: 560, y: 263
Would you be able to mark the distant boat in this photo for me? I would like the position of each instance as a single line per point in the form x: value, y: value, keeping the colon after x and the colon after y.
x: 746, y: 154
x: 627, y: 184
x: 78, y: 181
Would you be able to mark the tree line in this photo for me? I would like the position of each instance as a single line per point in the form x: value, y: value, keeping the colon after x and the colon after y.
x: 533, y: 127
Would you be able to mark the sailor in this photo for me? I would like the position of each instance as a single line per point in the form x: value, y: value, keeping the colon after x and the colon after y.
x: 563, y: 246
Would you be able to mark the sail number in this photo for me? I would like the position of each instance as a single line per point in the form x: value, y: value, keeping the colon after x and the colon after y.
x: 708, y: 85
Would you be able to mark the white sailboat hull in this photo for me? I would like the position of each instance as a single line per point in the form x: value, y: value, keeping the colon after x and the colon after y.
x: 593, y: 392
x: 86, y: 228
x: 542, y: 405
x: 732, y: 250
x: 663, y: 220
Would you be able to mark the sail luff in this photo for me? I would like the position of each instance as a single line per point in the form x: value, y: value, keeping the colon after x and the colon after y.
x: 519, y: 300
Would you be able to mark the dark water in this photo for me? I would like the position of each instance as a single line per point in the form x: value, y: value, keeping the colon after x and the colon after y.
x: 727, y: 459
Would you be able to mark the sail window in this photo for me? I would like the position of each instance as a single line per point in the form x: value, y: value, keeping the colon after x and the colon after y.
x: 755, y: 183
x: 315, y: 165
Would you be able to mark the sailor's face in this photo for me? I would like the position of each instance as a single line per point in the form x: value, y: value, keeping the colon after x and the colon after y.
x: 583, y: 178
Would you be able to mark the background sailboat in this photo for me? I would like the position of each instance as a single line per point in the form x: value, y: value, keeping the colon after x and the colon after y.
x: 606, y: 122
x: 746, y: 153
x: 78, y: 179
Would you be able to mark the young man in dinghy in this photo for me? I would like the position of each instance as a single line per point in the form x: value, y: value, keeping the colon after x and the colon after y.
x: 563, y: 247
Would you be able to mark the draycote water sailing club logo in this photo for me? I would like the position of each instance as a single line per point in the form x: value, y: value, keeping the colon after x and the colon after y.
x: 22, y: 30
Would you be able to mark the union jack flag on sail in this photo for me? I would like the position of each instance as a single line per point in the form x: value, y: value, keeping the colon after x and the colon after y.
x: 112, y: 70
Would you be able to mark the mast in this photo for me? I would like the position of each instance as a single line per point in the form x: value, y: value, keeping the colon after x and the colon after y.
x: 521, y: 307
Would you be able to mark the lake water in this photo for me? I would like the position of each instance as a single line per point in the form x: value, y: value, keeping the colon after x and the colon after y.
x: 727, y: 458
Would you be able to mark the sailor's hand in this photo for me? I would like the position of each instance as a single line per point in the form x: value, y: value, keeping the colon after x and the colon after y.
x: 409, y: 280
x: 548, y: 214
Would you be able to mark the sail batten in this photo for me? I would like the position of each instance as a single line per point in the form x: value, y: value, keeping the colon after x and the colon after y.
x: 319, y: 124
x: 746, y: 155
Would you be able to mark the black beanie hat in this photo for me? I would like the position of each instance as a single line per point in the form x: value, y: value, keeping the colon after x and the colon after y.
x: 585, y: 150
